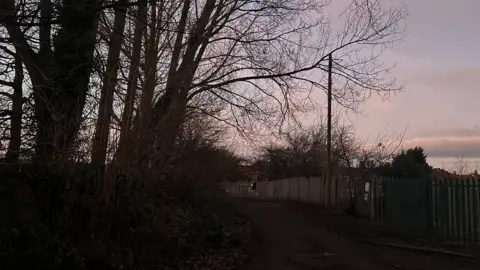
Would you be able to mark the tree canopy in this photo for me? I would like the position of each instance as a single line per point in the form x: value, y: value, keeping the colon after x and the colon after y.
x: 410, y: 163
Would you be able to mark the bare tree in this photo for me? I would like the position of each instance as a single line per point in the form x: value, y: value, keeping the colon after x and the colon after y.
x: 303, y: 151
x: 58, y: 68
x: 14, y: 144
x: 461, y: 166
x: 105, y: 111
x: 11, y: 100
x: 126, y: 136
x: 249, y: 55
x: 247, y: 64
x: 381, y: 150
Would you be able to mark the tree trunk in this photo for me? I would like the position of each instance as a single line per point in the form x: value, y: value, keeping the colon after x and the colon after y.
x: 42, y: 92
x: 73, y: 56
x: 150, y: 81
x: 126, y: 139
x: 162, y: 123
x: 15, y: 142
x: 61, y: 81
x: 169, y: 111
x: 100, y: 142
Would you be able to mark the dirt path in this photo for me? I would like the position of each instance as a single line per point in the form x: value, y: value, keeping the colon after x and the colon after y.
x: 287, y: 237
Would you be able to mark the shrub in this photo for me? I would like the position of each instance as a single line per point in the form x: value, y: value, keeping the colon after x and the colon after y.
x: 69, y: 218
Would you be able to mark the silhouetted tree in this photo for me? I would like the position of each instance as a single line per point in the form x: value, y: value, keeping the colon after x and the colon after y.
x: 59, y: 67
x: 410, y: 163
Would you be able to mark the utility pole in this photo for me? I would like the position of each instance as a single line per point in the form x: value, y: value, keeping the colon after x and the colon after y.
x: 329, y: 133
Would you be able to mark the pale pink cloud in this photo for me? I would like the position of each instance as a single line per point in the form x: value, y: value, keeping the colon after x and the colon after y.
x: 467, y: 145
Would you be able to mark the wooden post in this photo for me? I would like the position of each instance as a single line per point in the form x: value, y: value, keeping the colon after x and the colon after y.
x: 329, y: 133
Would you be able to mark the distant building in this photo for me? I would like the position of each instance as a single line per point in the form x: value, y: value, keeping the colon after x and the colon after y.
x: 441, y: 173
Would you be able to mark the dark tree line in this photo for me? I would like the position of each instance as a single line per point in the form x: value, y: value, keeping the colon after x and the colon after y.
x: 303, y: 154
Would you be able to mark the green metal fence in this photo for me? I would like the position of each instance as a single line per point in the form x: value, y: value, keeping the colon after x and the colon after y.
x: 448, y: 209
x: 455, y: 205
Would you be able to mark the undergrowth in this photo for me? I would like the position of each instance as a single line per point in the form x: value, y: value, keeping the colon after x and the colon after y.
x: 67, y: 219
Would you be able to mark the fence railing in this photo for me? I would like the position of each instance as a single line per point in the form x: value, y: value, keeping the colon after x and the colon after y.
x: 456, y: 209
x: 343, y: 193
x: 445, y: 208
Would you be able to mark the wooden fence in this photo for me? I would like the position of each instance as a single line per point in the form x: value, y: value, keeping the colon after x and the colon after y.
x: 448, y: 209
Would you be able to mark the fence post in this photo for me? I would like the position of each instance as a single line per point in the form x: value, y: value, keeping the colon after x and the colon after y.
x: 336, y: 191
x: 445, y: 221
x: 322, y: 191
x: 457, y: 210
x: 451, y: 209
x: 275, y: 188
x: 476, y: 203
x: 372, y: 196
x: 281, y: 189
x: 382, y: 202
x: 439, y: 203
x: 308, y: 190
x: 428, y: 206
x: 434, y: 206
x: 447, y: 210
x: 378, y: 198
x: 289, y: 189
x: 469, y: 210
x: 298, y: 189
x: 276, y: 192
x: 463, y: 196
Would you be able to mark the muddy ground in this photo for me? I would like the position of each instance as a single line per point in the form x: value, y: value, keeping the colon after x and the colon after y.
x: 300, y: 237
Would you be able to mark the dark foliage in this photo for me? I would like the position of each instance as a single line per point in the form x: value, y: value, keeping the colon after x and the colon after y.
x: 64, y: 219
x: 410, y: 163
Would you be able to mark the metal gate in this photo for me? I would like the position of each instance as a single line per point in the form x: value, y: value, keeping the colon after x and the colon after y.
x: 406, y: 204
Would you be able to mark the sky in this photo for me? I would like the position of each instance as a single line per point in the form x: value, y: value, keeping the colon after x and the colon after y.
x: 439, y: 63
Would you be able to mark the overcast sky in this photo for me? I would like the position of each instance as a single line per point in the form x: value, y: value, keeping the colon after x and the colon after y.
x: 440, y: 64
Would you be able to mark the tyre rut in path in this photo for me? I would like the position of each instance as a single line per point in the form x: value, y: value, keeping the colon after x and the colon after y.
x: 287, y: 238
